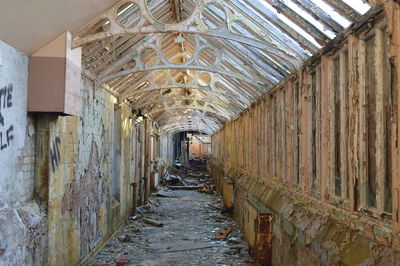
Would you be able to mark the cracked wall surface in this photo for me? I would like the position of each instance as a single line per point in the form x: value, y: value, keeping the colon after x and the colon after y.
x: 23, y: 232
x: 57, y: 205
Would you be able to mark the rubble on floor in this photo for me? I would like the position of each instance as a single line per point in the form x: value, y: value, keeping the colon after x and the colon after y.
x: 191, y: 221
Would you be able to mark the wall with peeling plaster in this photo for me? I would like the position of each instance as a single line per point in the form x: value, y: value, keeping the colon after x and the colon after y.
x: 75, y: 169
x: 81, y: 207
x: 23, y: 237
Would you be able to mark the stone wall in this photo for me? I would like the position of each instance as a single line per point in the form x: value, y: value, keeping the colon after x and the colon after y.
x: 304, y: 231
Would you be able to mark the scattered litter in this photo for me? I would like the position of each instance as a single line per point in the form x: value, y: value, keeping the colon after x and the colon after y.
x: 125, y: 238
x: 166, y: 194
x: 152, y: 222
x: 215, y: 207
x: 223, y: 233
x: 172, y: 179
x: 234, y: 240
x: 208, y: 189
x: 134, y: 218
x: 185, y: 187
x: 222, y: 218
x: 120, y: 262
x: 191, y: 221
x: 180, y: 246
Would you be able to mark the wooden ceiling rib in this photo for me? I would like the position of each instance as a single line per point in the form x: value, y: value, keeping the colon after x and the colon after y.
x: 210, y: 73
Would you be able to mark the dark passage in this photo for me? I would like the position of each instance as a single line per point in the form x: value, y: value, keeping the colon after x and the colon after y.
x: 191, y: 220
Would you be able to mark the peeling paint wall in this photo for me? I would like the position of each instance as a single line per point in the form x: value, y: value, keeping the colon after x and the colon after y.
x: 23, y: 237
x: 320, y: 152
x: 88, y: 198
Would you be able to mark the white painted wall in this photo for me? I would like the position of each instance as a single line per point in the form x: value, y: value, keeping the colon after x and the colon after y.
x: 16, y: 150
x: 22, y: 222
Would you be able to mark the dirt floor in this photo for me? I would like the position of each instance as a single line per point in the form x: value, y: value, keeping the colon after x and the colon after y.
x: 191, y: 220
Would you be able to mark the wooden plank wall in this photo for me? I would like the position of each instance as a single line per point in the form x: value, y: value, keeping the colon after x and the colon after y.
x: 331, y: 132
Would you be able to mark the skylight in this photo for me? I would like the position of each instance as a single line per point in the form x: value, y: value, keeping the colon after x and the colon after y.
x: 310, y: 19
x: 334, y: 15
x: 291, y: 24
x: 358, y: 5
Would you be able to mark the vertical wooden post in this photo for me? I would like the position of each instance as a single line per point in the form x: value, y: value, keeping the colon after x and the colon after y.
x: 363, y: 127
x: 325, y: 127
x: 380, y: 119
x: 344, y: 134
x: 353, y: 102
x: 305, y: 132
x: 319, y: 130
x: 264, y: 141
x: 393, y: 17
x: 290, y: 134
x: 332, y: 127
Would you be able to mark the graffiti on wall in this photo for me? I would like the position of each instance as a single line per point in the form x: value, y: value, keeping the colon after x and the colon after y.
x: 6, y: 133
x: 55, y: 153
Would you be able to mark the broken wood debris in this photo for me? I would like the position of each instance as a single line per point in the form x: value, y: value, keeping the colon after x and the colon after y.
x: 125, y: 239
x: 223, y: 233
x: 152, y: 222
x: 216, y: 207
x: 207, y: 189
x: 186, y: 187
x: 120, y: 262
x: 180, y: 246
x: 165, y: 194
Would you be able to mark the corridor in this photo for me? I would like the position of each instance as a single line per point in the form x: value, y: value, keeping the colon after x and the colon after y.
x: 199, y: 132
x: 191, y: 222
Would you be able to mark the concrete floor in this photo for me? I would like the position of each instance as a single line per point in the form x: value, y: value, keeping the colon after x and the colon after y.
x: 187, y: 237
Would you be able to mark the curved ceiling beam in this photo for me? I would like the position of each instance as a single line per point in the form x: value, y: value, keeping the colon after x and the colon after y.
x: 234, y: 101
x: 207, y: 100
x: 210, y: 69
x: 135, y: 88
x: 192, y: 122
x: 187, y: 127
x: 216, y: 109
x: 221, y: 34
x: 202, y: 131
x: 161, y: 120
x: 191, y: 127
x: 189, y: 107
x: 208, y: 89
x: 155, y: 43
x: 171, y: 120
x: 147, y: 24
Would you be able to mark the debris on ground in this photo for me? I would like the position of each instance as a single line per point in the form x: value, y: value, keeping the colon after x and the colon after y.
x: 216, y: 207
x: 152, y: 222
x: 191, y: 221
x: 185, y: 187
x: 180, y: 246
x: 208, y: 189
x: 223, y: 233
x: 196, y: 178
x: 163, y: 193
x: 120, y: 262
